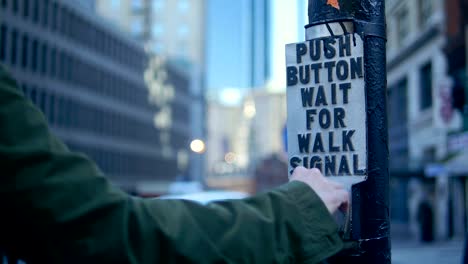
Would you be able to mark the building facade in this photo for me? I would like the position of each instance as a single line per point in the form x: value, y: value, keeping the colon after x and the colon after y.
x: 172, y: 31
x: 418, y: 83
x: 268, y: 151
x: 87, y: 78
x: 268, y: 124
x: 456, y: 29
x: 227, y: 154
x: 247, y: 142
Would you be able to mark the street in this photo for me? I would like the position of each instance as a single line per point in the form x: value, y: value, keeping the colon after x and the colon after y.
x: 411, y: 252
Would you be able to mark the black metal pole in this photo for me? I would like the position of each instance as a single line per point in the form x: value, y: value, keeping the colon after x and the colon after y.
x: 375, y: 219
x: 368, y: 17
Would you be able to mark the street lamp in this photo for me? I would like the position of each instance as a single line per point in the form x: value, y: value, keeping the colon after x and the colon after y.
x: 197, y: 146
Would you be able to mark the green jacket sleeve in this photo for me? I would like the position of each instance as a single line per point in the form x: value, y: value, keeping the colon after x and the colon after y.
x: 57, y: 207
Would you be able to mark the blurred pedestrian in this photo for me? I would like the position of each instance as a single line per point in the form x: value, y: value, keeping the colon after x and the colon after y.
x: 61, y: 209
x: 426, y: 221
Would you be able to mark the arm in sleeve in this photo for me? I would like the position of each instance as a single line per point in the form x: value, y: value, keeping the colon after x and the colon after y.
x: 57, y: 207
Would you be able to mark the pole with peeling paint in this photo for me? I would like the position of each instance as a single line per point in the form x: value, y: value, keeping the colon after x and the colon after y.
x: 371, y: 213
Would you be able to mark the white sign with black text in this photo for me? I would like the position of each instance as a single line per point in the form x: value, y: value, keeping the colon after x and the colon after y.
x: 327, y: 106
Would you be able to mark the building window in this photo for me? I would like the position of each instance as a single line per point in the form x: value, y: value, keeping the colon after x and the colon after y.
x: 426, y: 8
x: 426, y: 86
x: 15, y: 7
x: 33, y: 94
x: 74, y: 29
x: 44, y: 54
x: 53, y: 62
x: 42, y: 100
x: 62, y: 62
x: 429, y: 155
x: 158, y: 30
x: 51, y: 110
x: 54, y: 16
x: 14, y: 47
x: 25, y: 8
x: 398, y: 104
x: 35, y: 55
x: 62, y: 25
x: 24, y: 51
x: 79, y: 32
x: 115, y: 4
x: 183, y: 50
x: 70, y: 67
x: 71, y: 24
x: 3, y: 42
x: 183, y: 6
x: 183, y: 31
x: 136, y: 27
x: 36, y: 9
x: 158, y: 5
x: 159, y: 48
x: 45, y: 13
x: 137, y: 5
x: 59, y: 111
x: 402, y: 18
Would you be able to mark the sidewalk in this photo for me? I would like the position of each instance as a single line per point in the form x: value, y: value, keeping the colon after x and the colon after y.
x: 411, y: 252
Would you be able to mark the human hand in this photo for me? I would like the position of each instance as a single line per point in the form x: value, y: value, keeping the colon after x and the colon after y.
x: 333, y: 194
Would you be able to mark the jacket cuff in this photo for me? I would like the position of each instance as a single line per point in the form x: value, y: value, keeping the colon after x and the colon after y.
x: 321, y: 239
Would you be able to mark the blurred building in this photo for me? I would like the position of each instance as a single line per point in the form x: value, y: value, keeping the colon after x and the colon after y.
x: 247, y: 139
x: 455, y: 165
x: 268, y: 124
x: 87, y: 78
x: 259, y: 18
x: 268, y: 144
x: 457, y: 52
x: 227, y: 153
x: 174, y: 31
x: 88, y: 4
x: 418, y: 83
x: 267, y: 140
x: 229, y: 134
x: 169, y: 90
